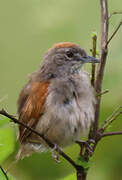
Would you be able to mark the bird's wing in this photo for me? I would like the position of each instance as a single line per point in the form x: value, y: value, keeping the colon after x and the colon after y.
x: 31, y: 106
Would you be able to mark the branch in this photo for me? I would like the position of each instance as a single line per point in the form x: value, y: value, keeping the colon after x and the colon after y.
x: 111, y: 118
x: 94, y: 39
x: 50, y: 144
x: 102, y: 93
x: 94, y: 133
x: 4, y: 113
x: 111, y: 133
x: 103, y: 56
x: 114, y: 13
x: 114, y: 33
x: 81, y: 174
x: 4, y: 173
x: 4, y: 98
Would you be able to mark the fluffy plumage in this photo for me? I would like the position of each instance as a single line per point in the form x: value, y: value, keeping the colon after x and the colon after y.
x: 58, y: 101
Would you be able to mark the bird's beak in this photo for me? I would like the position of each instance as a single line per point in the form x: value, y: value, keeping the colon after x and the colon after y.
x: 90, y: 59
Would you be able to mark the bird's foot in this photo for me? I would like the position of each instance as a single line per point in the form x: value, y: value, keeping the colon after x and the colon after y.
x: 86, y: 144
x: 55, y: 155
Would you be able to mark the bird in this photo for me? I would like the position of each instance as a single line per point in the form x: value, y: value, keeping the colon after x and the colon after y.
x: 58, y: 101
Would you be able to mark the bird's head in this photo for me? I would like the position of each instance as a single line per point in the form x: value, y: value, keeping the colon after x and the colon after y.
x: 66, y: 57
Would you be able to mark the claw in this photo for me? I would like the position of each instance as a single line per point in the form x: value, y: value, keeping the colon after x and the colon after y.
x: 91, y: 141
x: 54, y: 154
x: 87, y: 145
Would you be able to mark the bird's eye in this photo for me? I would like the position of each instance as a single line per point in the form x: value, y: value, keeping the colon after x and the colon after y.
x: 69, y: 54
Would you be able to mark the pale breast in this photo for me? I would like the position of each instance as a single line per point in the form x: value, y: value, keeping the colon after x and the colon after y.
x: 69, y: 109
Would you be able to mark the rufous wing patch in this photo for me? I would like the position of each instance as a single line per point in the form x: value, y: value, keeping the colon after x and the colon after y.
x: 33, y: 107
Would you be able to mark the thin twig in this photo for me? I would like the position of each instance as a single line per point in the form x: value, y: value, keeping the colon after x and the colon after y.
x: 94, y: 39
x: 5, y: 174
x: 50, y: 144
x: 110, y: 119
x: 103, y: 92
x: 114, y: 33
x: 101, y: 66
x: 4, y: 98
x: 94, y: 133
x: 111, y: 133
x: 114, y: 13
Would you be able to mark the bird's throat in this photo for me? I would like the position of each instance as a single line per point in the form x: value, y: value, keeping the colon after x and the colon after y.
x: 76, y: 68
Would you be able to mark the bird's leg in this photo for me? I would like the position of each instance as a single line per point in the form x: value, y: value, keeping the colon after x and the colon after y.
x: 55, y: 155
x: 86, y: 144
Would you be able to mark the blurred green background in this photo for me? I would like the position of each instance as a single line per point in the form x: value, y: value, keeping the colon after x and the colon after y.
x: 27, y: 29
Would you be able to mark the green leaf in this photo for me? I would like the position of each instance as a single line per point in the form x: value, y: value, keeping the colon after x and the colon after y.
x: 70, y: 177
x: 83, y: 163
x: 7, y: 142
x: 4, y: 121
x: 2, y: 176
